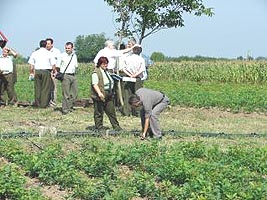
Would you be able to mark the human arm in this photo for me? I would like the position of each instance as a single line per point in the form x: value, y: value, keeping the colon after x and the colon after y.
x: 146, y: 126
x: 126, y: 72
x: 12, y: 52
x: 137, y: 74
x: 98, y: 91
x: 95, y: 82
x: 126, y: 50
x: 141, y: 68
x: 76, y: 63
x: 31, y: 69
x: 32, y: 72
x: 54, y: 69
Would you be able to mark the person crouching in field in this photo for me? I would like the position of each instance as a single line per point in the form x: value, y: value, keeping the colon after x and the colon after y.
x: 152, y: 103
x: 102, y: 95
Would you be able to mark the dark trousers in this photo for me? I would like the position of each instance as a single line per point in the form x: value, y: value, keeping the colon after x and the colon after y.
x: 108, y: 107
x: 130, y: 88
x: 69, y: 92
x: 42, y: 88
x: 7, y: 84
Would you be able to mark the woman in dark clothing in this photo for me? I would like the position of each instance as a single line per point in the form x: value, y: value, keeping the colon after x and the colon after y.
x: 102, y: 95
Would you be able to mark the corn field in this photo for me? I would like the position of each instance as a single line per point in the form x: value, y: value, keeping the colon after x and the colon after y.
x: 212, y: 71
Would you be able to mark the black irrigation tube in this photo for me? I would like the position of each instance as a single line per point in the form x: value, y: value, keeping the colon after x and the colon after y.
x: 175, y: 133
x: 214, y: 134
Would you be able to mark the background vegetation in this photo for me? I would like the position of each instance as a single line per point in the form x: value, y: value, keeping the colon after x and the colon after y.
x: 234, y: 85
x: 122, y: 167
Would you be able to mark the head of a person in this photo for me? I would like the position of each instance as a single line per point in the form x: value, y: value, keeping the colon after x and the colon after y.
x: 49, y: 43
x: 69, y: 47
x: 135, y: 101
x: 110, y: 44
x: 102, y: 62
x: 42, y: 44
x: 131, y: 42
x: 122, y: 46
x: 5, y: 51
x: 137, y: 50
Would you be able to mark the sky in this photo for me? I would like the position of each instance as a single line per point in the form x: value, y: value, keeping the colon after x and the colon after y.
x: 238, y: 27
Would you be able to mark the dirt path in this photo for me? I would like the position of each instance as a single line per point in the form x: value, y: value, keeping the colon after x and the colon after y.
x: 16, y: 120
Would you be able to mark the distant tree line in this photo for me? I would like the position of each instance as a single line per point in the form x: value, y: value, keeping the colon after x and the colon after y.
x: 87, y: 46
x: 160, y: 57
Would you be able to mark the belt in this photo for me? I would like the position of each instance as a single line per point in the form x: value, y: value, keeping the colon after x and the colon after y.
x: 162, y: 97
x: 160, y: 100
x: 44, y: 70
x: 7, y: 73
x: 70, y: 74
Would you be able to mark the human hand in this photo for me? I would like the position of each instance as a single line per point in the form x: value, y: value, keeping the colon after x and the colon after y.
x: 101, y: 96
x: 31, y: 77
x: 143, y: 136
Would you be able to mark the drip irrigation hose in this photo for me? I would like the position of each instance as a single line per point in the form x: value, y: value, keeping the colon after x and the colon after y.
x: 96, y: 133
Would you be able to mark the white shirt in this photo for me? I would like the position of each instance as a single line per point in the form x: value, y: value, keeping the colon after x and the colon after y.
x: 135, y: 64
x: 42, y: 59
x: 111, y: 54
x: 56, y: 54
x: 6, y: 64
x: 65, y: 59
x: 106, y: 80
x: 121, y: 61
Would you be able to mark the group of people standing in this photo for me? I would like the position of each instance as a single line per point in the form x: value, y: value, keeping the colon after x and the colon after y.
x: 117, y: 81
x: 45, y: 63
x: 129, y: 92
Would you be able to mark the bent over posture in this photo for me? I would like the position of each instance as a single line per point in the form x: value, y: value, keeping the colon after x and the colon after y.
x: 153, y: 103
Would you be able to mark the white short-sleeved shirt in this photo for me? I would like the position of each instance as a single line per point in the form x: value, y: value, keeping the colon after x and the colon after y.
x: 134, y: 64
x: 56, y: 54
x: 42, y: 59
x: 65, y: 59
x: 111, y: 54
x: 6, y: 64
x: 106, y: 79
x: 121, y: 61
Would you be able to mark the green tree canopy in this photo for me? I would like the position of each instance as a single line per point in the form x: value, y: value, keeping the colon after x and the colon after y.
x: 142, y: 18
x: 87, y: 46
x: 157, y: 57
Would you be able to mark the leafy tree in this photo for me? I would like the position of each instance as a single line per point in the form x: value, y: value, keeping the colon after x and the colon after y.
x: 240, y: 58
x: 145, y: 17
x: 87, y: 46
x: 157, y: 57
x: 261, y: 58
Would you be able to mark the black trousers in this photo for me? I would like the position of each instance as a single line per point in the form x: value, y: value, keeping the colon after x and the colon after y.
x: 108, y: 107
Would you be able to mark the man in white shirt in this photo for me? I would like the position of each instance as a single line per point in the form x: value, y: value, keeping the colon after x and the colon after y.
x: 69, y: 65
x: 42, y: 64
x: 56, y: 54
x: 111, y: 54
x: 134, y: 68
x: 7, y: 82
